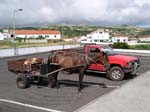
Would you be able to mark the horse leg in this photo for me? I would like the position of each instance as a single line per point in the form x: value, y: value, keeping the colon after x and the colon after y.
x: 53, y: 78
x: 51, y: 81
x: 56, y: 81
x: 81, y: 75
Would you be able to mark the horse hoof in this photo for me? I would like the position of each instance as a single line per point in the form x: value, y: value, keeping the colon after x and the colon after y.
x: 52, y: 85
x: 57, y: 85
x: 79, y: 90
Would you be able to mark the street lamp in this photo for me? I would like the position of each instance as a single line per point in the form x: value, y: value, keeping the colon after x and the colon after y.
x: 14, y: 32
x: 62, y: 34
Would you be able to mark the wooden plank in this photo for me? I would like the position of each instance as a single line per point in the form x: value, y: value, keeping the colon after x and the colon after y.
x: 55, y: 71
x: 62, y: 69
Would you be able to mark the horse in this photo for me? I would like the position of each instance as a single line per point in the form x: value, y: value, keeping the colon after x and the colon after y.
x: 74, y: 62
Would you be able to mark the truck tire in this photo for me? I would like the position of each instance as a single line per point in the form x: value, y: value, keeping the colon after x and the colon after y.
x: 116, y: 74
x: 22, y: 82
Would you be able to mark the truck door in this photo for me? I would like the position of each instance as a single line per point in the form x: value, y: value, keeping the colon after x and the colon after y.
x: 96, y: 67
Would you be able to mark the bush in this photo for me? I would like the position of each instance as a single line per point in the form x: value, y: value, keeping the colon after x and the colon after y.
x: 54, y: 41
x: 121, y: 45
x: 141, y: 47
x: 40, y: 37
x: 19, y: 39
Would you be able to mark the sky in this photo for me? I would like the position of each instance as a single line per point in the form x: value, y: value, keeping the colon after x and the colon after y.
x: 75, y: 12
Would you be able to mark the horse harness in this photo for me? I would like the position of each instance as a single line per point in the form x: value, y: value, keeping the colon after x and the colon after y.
x: 87, y: 58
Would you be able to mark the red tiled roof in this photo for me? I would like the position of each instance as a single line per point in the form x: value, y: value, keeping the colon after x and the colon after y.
x: 37, y: 32
x: 145, y: 36
x: 132, y: 36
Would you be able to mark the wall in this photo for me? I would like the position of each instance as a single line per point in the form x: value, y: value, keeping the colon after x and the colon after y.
x: 48, y: 36
x: 56, y: 36
x: 144, y: 39
x: 119, y: 39
x: 31, y: 50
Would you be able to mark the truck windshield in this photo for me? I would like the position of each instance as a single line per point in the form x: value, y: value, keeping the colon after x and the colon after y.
x: 108, y: 49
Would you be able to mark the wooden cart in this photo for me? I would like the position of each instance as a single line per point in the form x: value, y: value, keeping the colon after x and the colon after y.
x: 26, y: 69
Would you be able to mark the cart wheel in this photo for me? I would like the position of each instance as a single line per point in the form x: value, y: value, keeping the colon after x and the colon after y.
x: 22, y: 82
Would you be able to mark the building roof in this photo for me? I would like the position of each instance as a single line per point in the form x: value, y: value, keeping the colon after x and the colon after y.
x: 145, y: 36
x: 132, y: 37
x: 37, y: 32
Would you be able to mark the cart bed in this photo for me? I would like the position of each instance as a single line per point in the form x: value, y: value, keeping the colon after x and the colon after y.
x: 25, y: 65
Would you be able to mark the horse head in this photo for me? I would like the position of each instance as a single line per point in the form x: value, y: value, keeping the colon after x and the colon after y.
x: 102, y: 58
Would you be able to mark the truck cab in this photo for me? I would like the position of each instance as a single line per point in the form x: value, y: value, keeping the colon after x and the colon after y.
x: 120, y: 65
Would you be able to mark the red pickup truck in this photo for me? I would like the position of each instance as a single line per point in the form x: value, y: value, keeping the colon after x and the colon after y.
x: 119, y: 64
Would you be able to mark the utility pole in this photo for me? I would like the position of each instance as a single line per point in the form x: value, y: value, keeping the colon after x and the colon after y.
x: 14, y: 29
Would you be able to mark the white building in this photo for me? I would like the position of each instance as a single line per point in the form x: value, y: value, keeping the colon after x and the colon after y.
x: 6, y: 34
x: 1, y: 36
x: 119, y: 38
x: 145, y: 38
x: 132, y: 39
x: 47, y: 34
x: 96, y: 37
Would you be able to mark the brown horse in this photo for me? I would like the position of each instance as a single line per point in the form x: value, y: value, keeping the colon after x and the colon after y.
x: 74, y: 62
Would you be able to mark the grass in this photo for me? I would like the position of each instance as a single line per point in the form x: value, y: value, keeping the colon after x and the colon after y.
x: 123, y: 45
x: 8, y: 44
x: 5, y: 44
x: 141, y: 47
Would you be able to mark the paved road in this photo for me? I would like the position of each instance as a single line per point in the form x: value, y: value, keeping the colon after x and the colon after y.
x: 64, y: 99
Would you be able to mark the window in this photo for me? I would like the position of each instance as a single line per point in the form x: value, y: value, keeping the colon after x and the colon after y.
x: 94, y: 50
x: 89, y: 37
x: 84, y: 40
x: 46, y: 36
x: 95, y: 40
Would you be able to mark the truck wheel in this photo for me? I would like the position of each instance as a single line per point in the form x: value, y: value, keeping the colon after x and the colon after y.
x: 116, y: 73
x: 22, y: 82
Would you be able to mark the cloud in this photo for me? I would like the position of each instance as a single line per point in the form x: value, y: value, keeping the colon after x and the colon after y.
x: 89, y: 12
